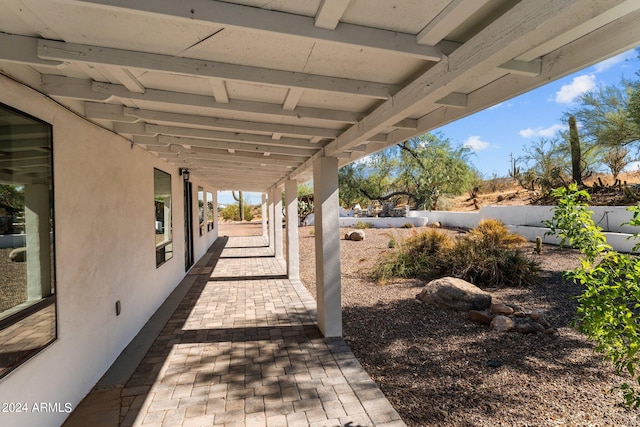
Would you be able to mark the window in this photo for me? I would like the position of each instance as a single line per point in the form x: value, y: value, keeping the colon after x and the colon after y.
x: 201, y: 210
x: 162, y: 203
x: 210, y: 211
x: 27, y: 276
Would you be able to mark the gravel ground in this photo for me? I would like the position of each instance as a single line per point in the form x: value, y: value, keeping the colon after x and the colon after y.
x: 13, y: 279
x: 432, y: 364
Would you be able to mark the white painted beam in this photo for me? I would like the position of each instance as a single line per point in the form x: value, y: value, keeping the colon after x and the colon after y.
x: 531, y: 68
x: 219, y: 90
x: 229, y: 124
x: 589, y: 23
x: 254, y: 19
x: 231, y: 137
x: 454, y: 99
x: 293, y: 97
x: 22, y: 50
x: 66, y: 87
x: 448, y: 19
x: 127, y: 79
x: 85, y: 54
x: 329, y: 13
x: 225, y: 145
x: 585, y: 51
x: 259, y: 108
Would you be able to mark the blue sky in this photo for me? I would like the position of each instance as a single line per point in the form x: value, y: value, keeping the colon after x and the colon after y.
x: 496, y: 133
x: 508, y: 127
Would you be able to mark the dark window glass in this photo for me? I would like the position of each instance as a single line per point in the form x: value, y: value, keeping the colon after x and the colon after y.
x: 27, y: 276
x: 163, y: 228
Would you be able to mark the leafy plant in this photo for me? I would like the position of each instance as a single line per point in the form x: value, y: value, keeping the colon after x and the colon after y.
x: 407, y: 225
x: 362, y: 225
x: 609, y: 307
x: 486, y: 256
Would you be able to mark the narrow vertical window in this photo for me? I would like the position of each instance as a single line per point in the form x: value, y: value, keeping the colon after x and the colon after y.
x: 201, y: 211
x: 210, y: 211
x: 162, y: 205
x: 27, y: 291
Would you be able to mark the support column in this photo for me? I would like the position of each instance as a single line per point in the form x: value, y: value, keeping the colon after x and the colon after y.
x: 293, y: 251
x: 38, y: 241
x: 277, y: 223
x: 271, y: 220
x: 263, y: 212
x: 327, y: 239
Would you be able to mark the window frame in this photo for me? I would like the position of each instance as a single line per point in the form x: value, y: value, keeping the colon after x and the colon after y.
x: 28, y: 308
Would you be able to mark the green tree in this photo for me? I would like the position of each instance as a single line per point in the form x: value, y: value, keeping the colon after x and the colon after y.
x: 608, y: 115
x: 420, y: 171
x: 546, y: 163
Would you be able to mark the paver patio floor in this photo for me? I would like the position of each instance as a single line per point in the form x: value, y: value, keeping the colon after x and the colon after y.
x: 243, y: 349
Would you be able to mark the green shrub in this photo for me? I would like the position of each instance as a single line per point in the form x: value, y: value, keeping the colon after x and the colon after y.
x: 486, y: 256
x: 232, y: 213
x: 609, y: 305
x: 407, y: 225
x: 362, y: 225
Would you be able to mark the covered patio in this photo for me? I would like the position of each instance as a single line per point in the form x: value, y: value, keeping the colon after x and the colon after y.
x: 241, y: 348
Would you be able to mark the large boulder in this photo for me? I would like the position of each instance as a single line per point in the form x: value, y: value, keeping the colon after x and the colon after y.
x: 18, y: 255
x: 456, y: 294
x: 357, y: 235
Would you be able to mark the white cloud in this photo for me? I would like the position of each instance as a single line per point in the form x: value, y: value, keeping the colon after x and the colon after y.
x: 541, y: 132
x: 577, y: 87
x: 612, y: 62
x: 632, y: 167
x: 475, y: 143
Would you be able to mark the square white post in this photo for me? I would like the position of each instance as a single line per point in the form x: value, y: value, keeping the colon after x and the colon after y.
x: 38, y: 242
x: 263, y: 212
x: 327, y: 239
x: 277, y: 223
x: 271, y: 220
x: 293, y: 252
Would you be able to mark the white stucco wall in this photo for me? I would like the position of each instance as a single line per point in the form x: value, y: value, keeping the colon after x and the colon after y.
x: 105, y: 252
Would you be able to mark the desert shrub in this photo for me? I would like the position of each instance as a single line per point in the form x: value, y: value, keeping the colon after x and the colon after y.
x: 362, y: 225
x: 232, y: 213
x: 488, y: 256
x: 493, y: 234
x: 609, y: 306
x: 407, y: 225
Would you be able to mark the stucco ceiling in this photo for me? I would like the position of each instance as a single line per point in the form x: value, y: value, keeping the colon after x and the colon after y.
x: 246, y: 94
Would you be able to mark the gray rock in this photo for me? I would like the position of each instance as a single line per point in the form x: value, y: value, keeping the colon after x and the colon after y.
x: 453, y: 293
x: 500, y: 308
x: 18, y: 255
x: 482, y: 317
x: 357, y: 236
x: 525, y: 328
x: 502, y: 324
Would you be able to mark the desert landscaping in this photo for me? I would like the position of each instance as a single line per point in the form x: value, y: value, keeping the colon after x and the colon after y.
x: 439, y: 368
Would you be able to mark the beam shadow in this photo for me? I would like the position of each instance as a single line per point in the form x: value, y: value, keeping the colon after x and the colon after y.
x: 246, y: 256
x: 246, y: 247
x: 241, y: 278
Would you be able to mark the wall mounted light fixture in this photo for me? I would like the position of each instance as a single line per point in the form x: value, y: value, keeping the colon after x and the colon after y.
x: 184, y: 172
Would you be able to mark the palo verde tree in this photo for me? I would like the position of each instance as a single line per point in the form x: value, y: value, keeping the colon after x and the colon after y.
x: 419, y: 171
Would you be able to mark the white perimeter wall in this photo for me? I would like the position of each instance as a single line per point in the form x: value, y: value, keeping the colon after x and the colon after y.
x: 529, y: 221
x: 105, y: 252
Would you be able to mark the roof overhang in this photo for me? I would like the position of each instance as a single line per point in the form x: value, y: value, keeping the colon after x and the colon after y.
x: 247, y: 93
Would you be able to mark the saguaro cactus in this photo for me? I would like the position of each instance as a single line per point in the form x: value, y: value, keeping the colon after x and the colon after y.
x: 240, y: 201
x: 574, y: 141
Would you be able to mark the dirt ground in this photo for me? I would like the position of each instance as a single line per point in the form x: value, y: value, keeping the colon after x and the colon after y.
x: 439, y: 369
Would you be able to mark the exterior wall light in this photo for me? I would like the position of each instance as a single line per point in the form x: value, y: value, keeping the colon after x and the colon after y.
x: 184, y: 172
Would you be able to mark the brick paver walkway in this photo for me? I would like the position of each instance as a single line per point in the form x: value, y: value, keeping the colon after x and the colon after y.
x: 243, y: 349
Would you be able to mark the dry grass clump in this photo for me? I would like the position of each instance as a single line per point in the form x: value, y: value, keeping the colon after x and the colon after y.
x: 487, y: 256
